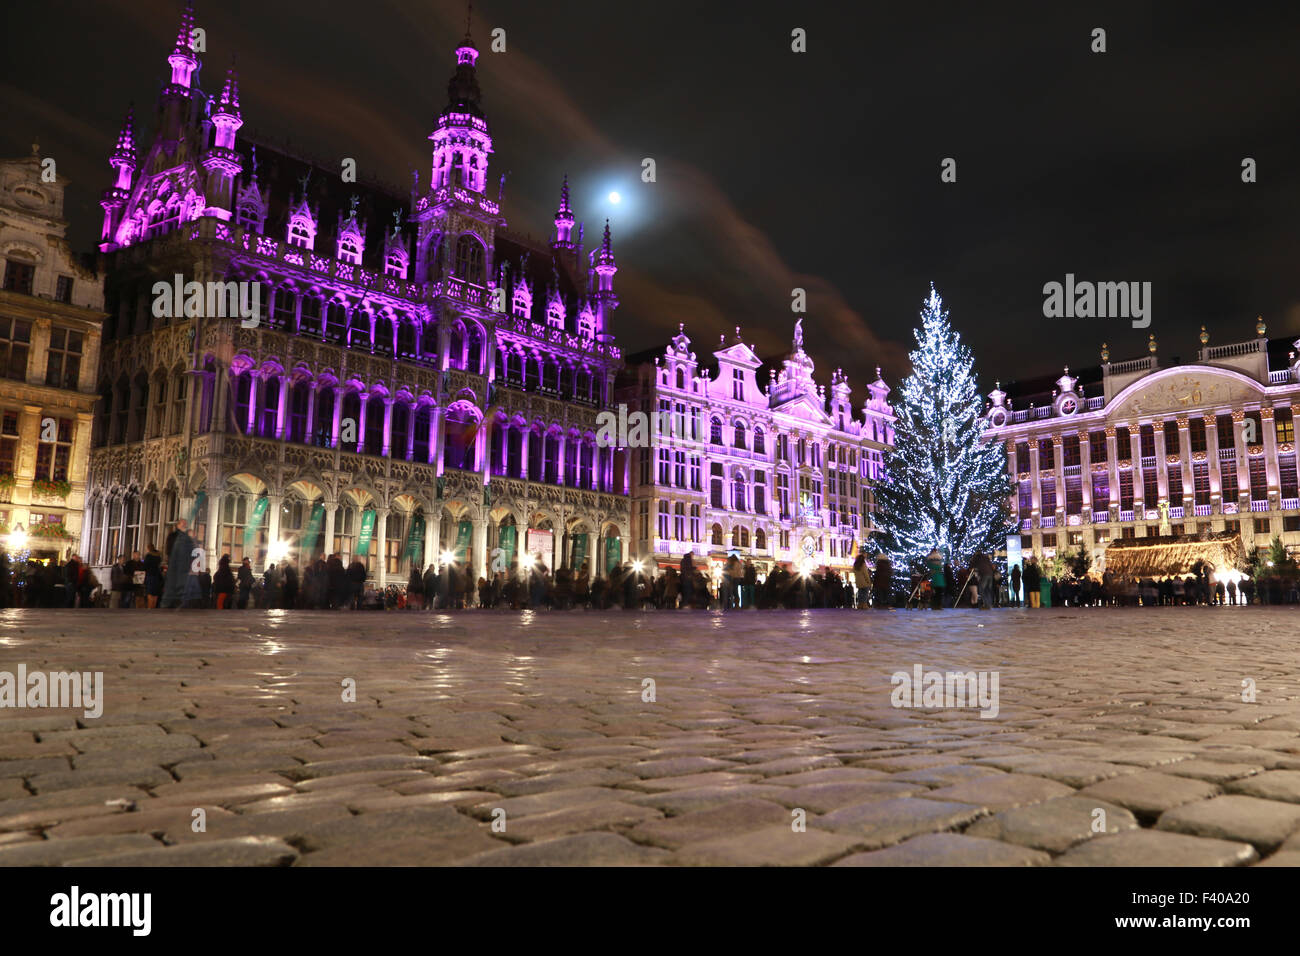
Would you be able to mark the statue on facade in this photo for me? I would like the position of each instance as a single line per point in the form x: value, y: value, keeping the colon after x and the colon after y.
x: 1165, y: 528
x: 798, y: 335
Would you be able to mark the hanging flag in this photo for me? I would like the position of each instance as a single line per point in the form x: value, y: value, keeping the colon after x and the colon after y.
x: 415, y: 542
x: 613, y: 553
x: 253, y: 526
x: 463, y: 532
x: 508, y: 541
x: 200, y: 500
x: 579, y: 551
x: 367, y: 532
x: 312, y: 534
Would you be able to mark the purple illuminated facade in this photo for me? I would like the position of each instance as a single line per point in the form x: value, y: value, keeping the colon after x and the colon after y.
x: 778, y: 472
x: 419, y: 380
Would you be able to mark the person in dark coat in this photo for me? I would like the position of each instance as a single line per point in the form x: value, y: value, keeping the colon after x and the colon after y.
x: 153, y: 576
x: 223, y: 584
x: 179, y: 551
x: 687, y: 578
x: 245, y: 581
x: 1015, y: 585
x: 983, y: 566
x: 290, y: 584
x: 336, y: 581
x: 883, y: 583
x: 356, y: 583
x: 430, y: 586
x: 71, y: 573
x: 414, y: 589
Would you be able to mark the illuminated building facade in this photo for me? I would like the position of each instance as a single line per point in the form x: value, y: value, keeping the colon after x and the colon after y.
x: 776, y: 472
x: 417, y: 380
x: 1112, y: 451
x: 50, y: 321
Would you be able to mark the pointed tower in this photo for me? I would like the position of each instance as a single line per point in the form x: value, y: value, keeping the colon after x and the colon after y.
x: 841, y: 405
x: 603, y: 267
x: 123, y: 160
x: 455, y: 221
x: 563, y: 221
x: 461, y: 142
x: 554, y: 302
x: 221, y: 163
x: 184, y: 62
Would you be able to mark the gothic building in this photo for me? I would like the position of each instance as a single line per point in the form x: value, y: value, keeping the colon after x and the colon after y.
x: 1114, y: 451
x: 410, y: 377
x: 777, y: 472
x: 50, y: 322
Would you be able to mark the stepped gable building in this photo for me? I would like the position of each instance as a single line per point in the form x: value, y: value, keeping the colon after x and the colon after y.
x: 778, y: 472
x: 50, y: 321
x: 1110, y: 452
x: 417, y: 380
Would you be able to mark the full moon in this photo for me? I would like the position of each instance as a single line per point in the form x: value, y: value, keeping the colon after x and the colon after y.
x: 615, y: 198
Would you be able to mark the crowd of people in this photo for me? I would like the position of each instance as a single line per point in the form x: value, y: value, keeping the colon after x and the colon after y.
x: 983, y: 584
x: 177, y: 576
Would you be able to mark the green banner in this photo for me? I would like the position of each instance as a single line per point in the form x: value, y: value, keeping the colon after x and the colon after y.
x: 508, y: 541
x: 579, y: 546
x: 613, y: 553
x: 254, y: 524
x: 367, y: 532
x: 415, y: 541
x: 312, y: 534
x: 463, y: 533
x: 200, y: 500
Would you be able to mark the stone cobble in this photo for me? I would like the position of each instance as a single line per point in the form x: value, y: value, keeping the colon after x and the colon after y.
x: 1120, y: 738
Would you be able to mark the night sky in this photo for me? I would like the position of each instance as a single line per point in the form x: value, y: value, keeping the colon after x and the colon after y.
x: 775, y: 169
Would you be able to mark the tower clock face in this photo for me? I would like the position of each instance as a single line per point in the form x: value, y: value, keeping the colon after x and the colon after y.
x: 1069, y: 406
x: 998, y: 419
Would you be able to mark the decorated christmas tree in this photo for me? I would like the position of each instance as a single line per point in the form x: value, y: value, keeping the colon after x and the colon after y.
x: 944, y: 487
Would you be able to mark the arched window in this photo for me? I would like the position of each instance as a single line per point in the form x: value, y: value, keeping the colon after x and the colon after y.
x: 383, y: 334
x: 180, y: 398
x: 375, y: 406
x: 299, y: 401
x: 309, y: 320
x: 351, y: 415
x: 469, y: 260
x: 715, y: 431
x: 348, y: 250
x: 300, y: 233
x: 359, y: 329
x: 474, y: 360
x: 760, y: 540
x: 420, y: 447
x: 401, y: 430
x: 285, y: 306
x: 681, y: 378
x: 717, y: 535
x: 456, y: 347
x: 336, y: 322
x: 406, y: 344
x: 739, y: 429
x: 738, y: 491
x: 433, y: 259
x: 322, y: 426
x: 758, y: 441
x: 269, y: 407
x: 243, y: 388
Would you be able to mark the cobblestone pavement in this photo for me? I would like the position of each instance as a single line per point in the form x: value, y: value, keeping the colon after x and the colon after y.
x: 1127, y: 722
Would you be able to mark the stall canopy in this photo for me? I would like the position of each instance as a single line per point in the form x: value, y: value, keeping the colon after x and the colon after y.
x: 1173, y: 555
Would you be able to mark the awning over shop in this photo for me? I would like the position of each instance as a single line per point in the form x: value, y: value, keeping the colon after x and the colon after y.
x: 1158, y: 557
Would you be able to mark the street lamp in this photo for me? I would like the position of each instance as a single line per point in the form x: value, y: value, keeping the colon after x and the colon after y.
x: 18, y: 538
